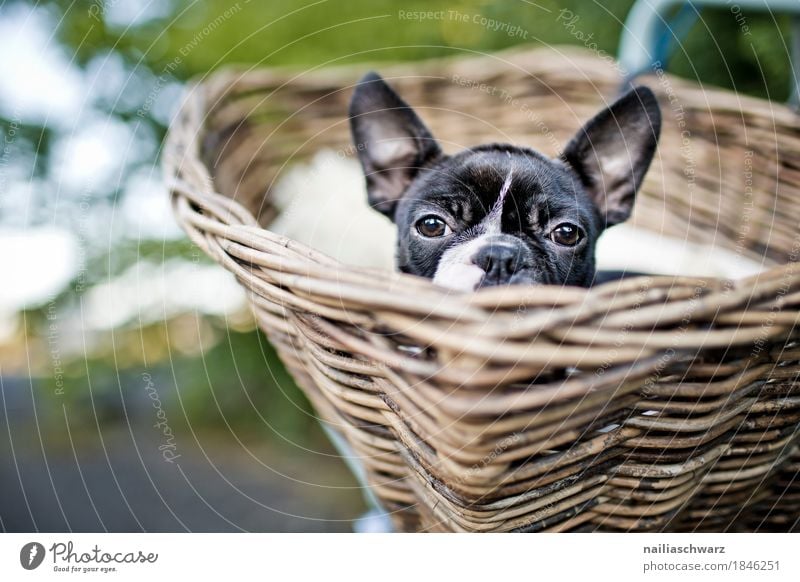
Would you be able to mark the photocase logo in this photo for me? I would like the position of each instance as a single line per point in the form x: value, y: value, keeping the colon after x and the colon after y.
x: 31, y: 555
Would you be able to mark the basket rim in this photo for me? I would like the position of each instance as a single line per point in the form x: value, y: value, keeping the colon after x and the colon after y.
x: 206, y: 214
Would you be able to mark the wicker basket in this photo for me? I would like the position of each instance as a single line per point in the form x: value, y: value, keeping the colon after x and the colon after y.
x: 653, y: 404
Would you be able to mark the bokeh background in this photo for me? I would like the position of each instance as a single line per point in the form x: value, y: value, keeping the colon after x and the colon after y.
x: 136, y: 392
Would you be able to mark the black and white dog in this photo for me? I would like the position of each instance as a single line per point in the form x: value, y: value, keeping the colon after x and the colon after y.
x: 501, y: 214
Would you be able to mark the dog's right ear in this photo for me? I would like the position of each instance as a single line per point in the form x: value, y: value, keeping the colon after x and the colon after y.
x: 392, y: 142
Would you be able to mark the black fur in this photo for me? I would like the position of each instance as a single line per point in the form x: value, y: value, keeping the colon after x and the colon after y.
x: 592, y: 186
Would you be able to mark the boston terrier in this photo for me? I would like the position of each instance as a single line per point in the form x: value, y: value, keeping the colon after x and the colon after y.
x: 501, y: 214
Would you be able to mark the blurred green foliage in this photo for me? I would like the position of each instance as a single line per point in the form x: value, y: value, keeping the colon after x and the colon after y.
x: 323, y: 32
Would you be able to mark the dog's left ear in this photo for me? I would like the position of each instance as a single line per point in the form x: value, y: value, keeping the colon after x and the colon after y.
x: 612, y: 152
x: 392, y: 142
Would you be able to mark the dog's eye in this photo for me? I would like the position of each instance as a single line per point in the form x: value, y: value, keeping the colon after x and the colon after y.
x: 566, y: 234
x: 432, y: 227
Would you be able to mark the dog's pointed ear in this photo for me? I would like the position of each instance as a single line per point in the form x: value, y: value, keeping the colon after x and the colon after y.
x: 392, y: 142
x: 612, y: 152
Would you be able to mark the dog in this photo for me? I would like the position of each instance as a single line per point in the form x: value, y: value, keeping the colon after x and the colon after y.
x: 501, y: 214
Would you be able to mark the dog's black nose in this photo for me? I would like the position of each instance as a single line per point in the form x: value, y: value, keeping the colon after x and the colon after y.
x: 499, y: 261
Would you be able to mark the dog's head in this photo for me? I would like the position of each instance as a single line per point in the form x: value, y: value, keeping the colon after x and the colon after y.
x: 501, y: 214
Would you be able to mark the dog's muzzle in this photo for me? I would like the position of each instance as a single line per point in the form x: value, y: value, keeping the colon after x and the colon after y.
x: 486, y: 261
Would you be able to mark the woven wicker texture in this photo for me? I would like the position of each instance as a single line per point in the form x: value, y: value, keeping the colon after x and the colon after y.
x: 656, y: 403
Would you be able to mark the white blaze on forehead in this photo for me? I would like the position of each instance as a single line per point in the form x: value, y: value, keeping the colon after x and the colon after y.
x: 493, y: 220
x: 505, y: 188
